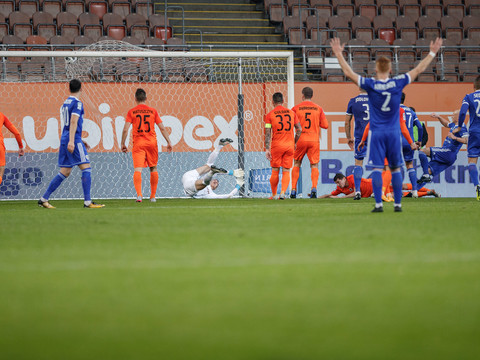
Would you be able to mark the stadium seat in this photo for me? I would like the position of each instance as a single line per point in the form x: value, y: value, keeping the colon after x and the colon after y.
x: 175, y: 44
x: 290, y: 22
x: 412, y: 10
x: 456, y: 10
x: 409, y: 33
x: 428, y: 27
x: 467, y: 67
x: 12, y: 65
x: 144, y: 8
x: 337, y: 21
x: 301, y: 10
x: 118, y: 32
x: 335, y: 78
x: 20, y: 24
x: 449, y: 22
x: 380, y: 47
x: 346, y: 10
x: 277, y: 12
x: 162, y: 33
x: 320, y: 35
x: 75, y: 7
x: 53, y: 7
x: 35, y: 40
x: 7, y: 7
x: 4, y: 27
x: 405, y: 21
x: 83, y: 41
x: 314, y: 22
x: 135, y: 19
x: 454, y: 34
x: 154, y: 43
x: 121, y: 8
x: 468, y: 44
x: 448, y: 2
x: 366, y: 34
x: 67, y: 23
x: 390, y: 10
x: 434, y: 11
x: 360, y: 21
x: 132, y: 40
x: 387, y: 34
x: 472, y: 55
x: 291, y: 3
x: 369, y: 11
x: 98, y: 8
x: 90, y: 25
x: 105, y: 38
x: 474, y: 10
x: 44, y: 25
x: 157, y: 20
x: 112, y: 19
x: 382, y: 21
x: 32, y: 70
x: 323, y: 10
x: 426, y: 3
x: 469, y: 77
x: 296, y: 35
x: 451, y: 77
x: 28, y: 7
x: 427, y: 76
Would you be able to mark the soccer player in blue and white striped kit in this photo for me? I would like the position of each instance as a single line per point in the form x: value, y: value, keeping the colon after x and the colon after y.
x: 411, y: 120
x: 471, y: 103
x: 384, y: 94
x: 73, y: 151
x: 359, y: 109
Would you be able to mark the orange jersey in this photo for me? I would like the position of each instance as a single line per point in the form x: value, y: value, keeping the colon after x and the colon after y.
x: 403, y: 128
x: 312, y: 118
x: 143, y: 118
x: 366, y: 188
x: 282, y: 121
x: 4, y: 121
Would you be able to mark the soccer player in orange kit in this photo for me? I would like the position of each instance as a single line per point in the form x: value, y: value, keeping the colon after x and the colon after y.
x: 346, y: 185
x: 145, y: 147
x: 4, y: 121
x: 282, y: 131
x: 312, y: 118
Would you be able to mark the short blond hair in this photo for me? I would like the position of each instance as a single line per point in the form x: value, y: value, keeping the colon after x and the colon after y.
x: 383, y: 64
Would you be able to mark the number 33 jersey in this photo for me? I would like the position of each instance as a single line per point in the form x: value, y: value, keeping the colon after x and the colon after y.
x: 312, y: 118
x: 282, y: 122
x: 143, y: 119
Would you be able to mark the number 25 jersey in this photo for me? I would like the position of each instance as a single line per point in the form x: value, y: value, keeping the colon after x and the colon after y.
x: 282, y: 122
x: 143, y: 119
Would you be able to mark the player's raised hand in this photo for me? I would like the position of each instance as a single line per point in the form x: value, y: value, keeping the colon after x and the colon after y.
x: 351, y: 144
x: 336, y: 46
x: 436, y: 45
x: 434, y: 115
x: 361, y: 145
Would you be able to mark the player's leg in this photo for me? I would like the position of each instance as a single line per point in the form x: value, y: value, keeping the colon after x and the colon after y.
x: 358, y: 169
x: 2, y: 171
x: 412, y: 175
x: 313, y: 154
x: 139, y: 156
x: 376, y: 159
x: 214, y: 154
x: 276, y: 164
x: 152, y: 161
x: 422, y: 155
x: 153, y: 183
x: 54, y: 184
x: 397, y: 181
x: 295, y: 175
x: 2, y: 161
x: 285, y: 182
x: 395, y: 161
x: 274, y: 181
x: 386, y: 182
x: 473, y: 152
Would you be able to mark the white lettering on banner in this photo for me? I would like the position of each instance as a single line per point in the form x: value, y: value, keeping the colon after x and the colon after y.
x: 50, y: 140
x: 337, y: 135
x: 323, y: 139
x: 437, y: 126
x: 228, y: 130
x: 176, y: 132
x: 94, y: 133
x: 203, y: 128
x: 107, y: 131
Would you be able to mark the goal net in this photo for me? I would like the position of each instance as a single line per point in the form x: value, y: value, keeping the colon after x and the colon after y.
x: 200, y: 97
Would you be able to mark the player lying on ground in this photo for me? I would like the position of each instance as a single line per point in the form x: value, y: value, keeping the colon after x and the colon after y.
x: 421, y: 191
x: 198, y: 183
x: 346, y: 185
x: 445, y: 156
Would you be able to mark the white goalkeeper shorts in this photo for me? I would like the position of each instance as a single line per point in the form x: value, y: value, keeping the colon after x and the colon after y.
x: 188, y: 181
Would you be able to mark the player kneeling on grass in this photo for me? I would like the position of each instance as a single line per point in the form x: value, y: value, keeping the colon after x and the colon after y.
x: 73, y: 151
x: 346, y: 185
x: 198, y: 183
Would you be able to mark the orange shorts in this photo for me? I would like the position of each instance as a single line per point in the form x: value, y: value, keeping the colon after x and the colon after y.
x: 145, y: 154
x: 282, y: 156
x: 311, y: 148
x: 2, y: 154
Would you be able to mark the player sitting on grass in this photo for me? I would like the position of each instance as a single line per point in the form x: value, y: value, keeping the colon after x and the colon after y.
x: 346, y: 185
x: 442, y: 157
x: 198, y: 183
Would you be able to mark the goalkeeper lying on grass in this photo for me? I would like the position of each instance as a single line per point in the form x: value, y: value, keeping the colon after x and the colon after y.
x: 198, y: 183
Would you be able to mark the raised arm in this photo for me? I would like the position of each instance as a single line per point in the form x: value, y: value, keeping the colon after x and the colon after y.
x: 337, y: 49
x: 422, y: 66
x: 442, y: 120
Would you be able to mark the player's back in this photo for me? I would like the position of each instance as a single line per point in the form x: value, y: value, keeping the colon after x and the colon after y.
x: 410, y: 120
x: 71, y: 106
x: 143, y: 119
x: 360, y: 109
x: 384, y: 99
x: 283, y: 122
x: 451, y: 144
x: 312, y: 118
x: 473, y: 102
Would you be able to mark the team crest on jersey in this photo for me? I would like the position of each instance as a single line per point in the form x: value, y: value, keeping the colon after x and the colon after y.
x: 350, y: 189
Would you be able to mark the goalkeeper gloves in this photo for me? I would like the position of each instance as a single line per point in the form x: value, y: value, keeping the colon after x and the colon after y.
x: 238, y: 173
x: 240, y: 181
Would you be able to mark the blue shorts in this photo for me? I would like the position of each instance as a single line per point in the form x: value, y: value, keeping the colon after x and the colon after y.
x: 359, y: 155
x: 473, y: 146
x: 408, y: 153
x: 79, y: 156
x: 441, y: 159
x: 381, y: 145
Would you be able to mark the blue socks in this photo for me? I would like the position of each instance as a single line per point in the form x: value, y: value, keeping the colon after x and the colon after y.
x: 54, y: 184
x: 357, y: 176
x: 423, y: 162
x: 473, y: 171
x: 86, y: 183
x: 412, y: 174
x: 397, y: 186
x: 377, y: 186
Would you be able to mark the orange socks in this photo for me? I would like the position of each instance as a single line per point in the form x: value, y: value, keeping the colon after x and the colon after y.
x: 153, y: 183
x: 274, y: 181
x: 295, y: 176
x: 314, y: 175
x: 285, y: 181
x: 386, y: 179
x: 137, y: 182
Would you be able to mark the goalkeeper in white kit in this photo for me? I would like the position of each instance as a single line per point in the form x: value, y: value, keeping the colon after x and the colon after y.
x: 199, y: 184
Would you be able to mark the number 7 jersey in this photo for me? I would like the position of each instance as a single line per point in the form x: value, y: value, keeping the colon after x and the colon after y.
x: 282, y: 122
x: 143, y: 118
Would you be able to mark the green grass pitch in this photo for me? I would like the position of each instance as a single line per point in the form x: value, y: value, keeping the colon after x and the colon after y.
x: 240, y: 279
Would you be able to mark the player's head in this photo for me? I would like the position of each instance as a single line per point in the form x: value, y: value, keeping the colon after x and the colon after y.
x: 454, y: 116
x: 214, y: 184
x: 75, y: 86
x: 277, y: 98
x: 307, y: 93
x: 140, y: 95
x: 402, y: 100
x: 383, y: 65
x: 476, y: 83
x: 340, y: 180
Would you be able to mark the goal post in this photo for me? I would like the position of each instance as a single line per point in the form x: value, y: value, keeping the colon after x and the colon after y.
x: 200, y: 96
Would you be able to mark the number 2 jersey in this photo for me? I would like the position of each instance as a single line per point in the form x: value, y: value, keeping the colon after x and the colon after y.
x: 312, y: 118
x: 143, y: 119
x: 282, y: 122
